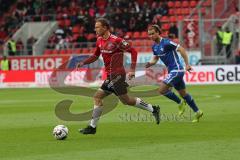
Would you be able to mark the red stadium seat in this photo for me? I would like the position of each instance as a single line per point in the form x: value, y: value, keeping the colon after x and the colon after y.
x: 62, y: 51
x: 173, y: 19
x: 77, y: 51
x: 144, y: 35
x: 47, y: 52
x: 76, y: 29
x: 165, y: 26
x: 178, y: 11
x: 90, y: 36
x: 203, y: 10
x: 138, y: 42
x: 136, y: 35
x: 193, y: 4
x: 164, y: 19
x: 207, y: 3
x: 186, y: 11
x: 148, y: 49
x: 85, y: 50
x: 170, y: 4
x: 61, y: 23
x: 185, y: 4
x: 149, y: 42
x: 180, y: 18
x: 55, y: 51
x: 129, y: 34
x: 195, y: 17
x: 177, y: 4
x: 69, y: 51
x: 171, y: 11
x: 67, y: 22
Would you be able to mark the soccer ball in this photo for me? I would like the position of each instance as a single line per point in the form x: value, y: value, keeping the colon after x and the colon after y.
x: 60, y: 132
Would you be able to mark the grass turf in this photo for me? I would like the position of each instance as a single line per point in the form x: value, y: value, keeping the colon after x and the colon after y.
x: 27, y: 120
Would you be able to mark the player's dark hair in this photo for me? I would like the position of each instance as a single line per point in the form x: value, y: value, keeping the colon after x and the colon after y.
x: 156, y: 28
x: 104, y: 22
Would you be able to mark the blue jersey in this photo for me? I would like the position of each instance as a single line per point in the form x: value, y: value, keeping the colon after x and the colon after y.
x: 166, y: 50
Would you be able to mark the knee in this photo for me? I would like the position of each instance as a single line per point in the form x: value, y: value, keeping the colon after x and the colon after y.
x: 97, y: 101
x: 128, y: 102
x: 161, y: 92
x: 183, y: 94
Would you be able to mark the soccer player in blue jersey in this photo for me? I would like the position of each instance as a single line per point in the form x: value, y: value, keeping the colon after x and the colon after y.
x: 166, y: 50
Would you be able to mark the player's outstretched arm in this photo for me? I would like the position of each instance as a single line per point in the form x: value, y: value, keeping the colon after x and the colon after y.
x: 183, y: 53
x: 91, y: 59
x: 152, y: 62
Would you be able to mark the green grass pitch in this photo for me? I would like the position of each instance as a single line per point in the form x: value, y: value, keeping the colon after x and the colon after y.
x: 27, y: 120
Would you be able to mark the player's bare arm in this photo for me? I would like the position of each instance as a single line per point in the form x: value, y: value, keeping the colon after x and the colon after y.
x: 152, y: 62
x: 183, y: 53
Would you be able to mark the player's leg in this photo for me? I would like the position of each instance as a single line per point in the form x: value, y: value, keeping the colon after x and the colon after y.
x: 139, y: 103
x: 165, y: 86
x: 181, y: 88
x: 120, y: 89
x: 97, y: 111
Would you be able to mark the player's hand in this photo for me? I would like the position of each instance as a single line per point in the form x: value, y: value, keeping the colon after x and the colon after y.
x: 79, y: 65
x: 131, y: 75
x: 148, y: 64
x: 189, y: 68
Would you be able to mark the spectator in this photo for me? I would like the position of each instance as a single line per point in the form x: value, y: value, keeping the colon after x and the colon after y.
x: 227, y: 41
x: 173, y: 30
x: 30, y: 43
x: 5, y: 64
x: 12, y: 48
x: 20, y: 47
x: 219, y: 36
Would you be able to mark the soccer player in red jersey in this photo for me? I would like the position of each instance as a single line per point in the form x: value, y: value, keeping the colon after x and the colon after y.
x: 112, y: 48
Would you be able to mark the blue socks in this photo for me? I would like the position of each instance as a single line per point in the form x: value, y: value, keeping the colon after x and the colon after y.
x: 171, y: 95
x: 191, y: 102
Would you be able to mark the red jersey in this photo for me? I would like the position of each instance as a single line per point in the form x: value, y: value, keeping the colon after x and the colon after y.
x: 112, y: 50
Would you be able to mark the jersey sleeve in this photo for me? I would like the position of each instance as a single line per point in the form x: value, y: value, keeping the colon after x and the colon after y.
x: 97, y: 49
x: 170, y: 45
x: 154, y: 51
x: 123, y: 44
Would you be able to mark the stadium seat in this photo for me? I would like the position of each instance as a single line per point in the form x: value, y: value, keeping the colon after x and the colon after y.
x: 136, y: 35
x: 148, y: 42
x: 129, y: 34
x: 193, y: 4
x: 69, y: 51
x: 76, y: 29
x: 48, y: 52
x: 55, y: 51
x: 61, y: 23
x: 67, y: 22
x: 77, y: 51
x: 144, y: 35
x: 165, y: 26
x: 178, y: 11
x: 180, y: 18
x: 177, y: 4
x: 85, y: 50
x: 186, y: 11
x: 170, y: 4
x: 62, y: 51
x: 171, y: 11
x: 207, y: 3
x: 90, y: 36
x: 173, y: 19
x: 185, y: 4
x: 164, y: 19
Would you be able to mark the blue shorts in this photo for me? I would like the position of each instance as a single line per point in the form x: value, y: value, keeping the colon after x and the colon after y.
x: 175, y: 79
